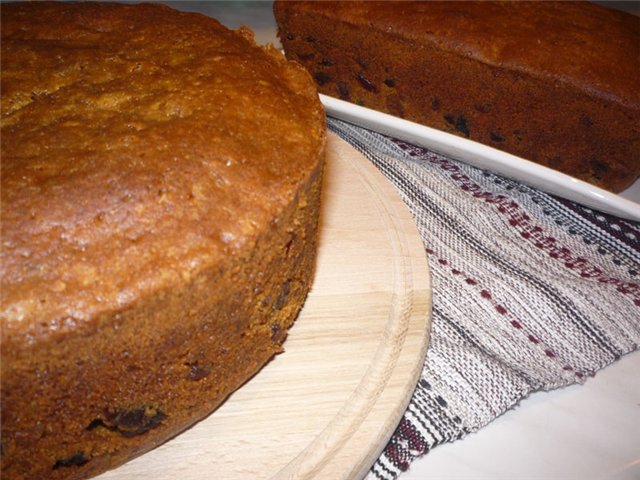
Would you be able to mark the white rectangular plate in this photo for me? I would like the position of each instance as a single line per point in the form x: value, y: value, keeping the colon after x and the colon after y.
x: 625, y: 205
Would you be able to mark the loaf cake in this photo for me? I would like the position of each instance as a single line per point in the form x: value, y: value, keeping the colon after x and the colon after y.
x: 557, y: 83
x: 161, y: 181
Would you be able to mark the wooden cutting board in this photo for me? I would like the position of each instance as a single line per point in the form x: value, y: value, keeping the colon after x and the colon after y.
x: 327, y: 406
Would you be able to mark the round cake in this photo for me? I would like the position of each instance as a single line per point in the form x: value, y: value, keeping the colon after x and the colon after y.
x: 161, y: 181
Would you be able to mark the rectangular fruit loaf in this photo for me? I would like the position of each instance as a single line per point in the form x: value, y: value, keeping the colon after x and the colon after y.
x: 557, y: 83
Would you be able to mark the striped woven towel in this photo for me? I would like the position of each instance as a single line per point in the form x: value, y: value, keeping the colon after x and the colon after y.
x: 530, y: 292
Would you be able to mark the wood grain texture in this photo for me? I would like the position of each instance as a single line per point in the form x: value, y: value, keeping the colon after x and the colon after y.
x: 327, y: 406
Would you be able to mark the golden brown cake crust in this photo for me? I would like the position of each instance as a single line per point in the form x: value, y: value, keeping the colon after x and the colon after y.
x: 554, y: 82
x: 160, y: 193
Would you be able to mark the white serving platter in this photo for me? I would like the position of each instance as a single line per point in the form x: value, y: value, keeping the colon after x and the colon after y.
x: 625, y: 205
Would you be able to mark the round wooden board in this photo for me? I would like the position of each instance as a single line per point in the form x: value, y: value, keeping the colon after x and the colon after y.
x: 327, y: 406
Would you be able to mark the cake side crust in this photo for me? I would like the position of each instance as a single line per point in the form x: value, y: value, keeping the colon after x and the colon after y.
x: 153, y: 370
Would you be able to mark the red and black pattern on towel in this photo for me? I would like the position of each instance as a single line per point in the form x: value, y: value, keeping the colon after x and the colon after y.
x: 530, y: 292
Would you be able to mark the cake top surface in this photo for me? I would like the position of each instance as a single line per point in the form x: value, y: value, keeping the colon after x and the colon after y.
x: 539, y: 38
x: 139, y: 145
